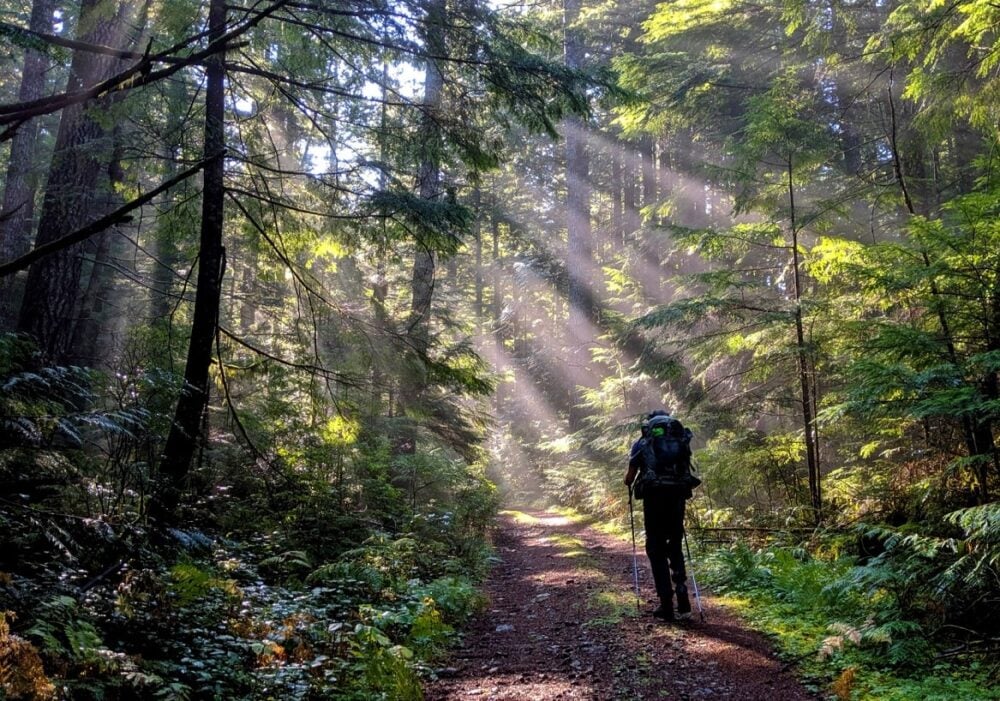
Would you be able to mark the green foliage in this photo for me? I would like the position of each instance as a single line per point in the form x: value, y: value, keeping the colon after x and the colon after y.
x: 881, y: 616
x: 43, y: 405
x: 62, y: 631
x: 304, y: 599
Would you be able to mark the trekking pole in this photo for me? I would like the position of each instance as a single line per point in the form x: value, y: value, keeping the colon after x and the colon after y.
x: 635, y: 560
x: 694, y: 582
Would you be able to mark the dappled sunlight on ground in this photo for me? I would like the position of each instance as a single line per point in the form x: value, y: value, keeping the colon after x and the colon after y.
x: 563, y: 622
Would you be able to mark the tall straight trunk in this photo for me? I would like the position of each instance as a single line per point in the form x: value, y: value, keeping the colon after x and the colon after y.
x: 804, y: 368
x: 579, y: 242
x: 380, y: 285
x: 77, y: 182
x: 248, y: 291
x: 617, y: 197
x: 647, y: 154
x: 21, y: 183
x: 630, y: 191
x: 978, y: 432
x: 87, y: 331
x: 186, y: 427
x: 664, y: 177
x: 95, y: 330
x: 428, y: 174
x: 583, y: 278
x: 477, y: 203
x: 161, y: 302
x: 690, y: 191
x: 496, y: 300
x: 91, y: 341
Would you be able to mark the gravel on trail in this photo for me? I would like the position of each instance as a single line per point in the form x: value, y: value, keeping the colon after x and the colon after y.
x: 562, y: 623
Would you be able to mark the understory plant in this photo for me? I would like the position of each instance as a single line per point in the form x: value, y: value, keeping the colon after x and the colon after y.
x: 915, y: 620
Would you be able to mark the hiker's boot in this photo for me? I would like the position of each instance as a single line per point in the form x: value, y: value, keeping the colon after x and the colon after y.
x: 665, y: 611
x: 683, y: 603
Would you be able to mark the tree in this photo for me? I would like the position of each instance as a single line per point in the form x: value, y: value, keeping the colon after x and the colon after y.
x: 185, y: 429
x: 21, y: 183
x: 77, y: 185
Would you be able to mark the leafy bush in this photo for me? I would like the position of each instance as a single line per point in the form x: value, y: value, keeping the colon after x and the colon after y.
x: 21, y: 671
x: 882, y: 619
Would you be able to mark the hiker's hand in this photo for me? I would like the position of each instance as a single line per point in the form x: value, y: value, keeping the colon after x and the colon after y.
x: 629, y: 477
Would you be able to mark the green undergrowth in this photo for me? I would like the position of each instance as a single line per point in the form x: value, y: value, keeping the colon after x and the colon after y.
x: 224, y: 623
x: 855, y: 629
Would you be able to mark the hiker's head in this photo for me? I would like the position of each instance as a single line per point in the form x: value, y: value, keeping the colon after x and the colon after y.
x: 651, y: 415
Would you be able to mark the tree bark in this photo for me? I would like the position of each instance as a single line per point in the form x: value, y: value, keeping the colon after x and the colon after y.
x: 617, y: 196
x: 186, y: 427
x: 77, y: 183
x: 477, y: 203
x: 428, y: 175
x: 21, y: 183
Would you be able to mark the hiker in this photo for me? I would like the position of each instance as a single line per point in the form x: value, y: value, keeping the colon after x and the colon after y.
x: 659, y: 473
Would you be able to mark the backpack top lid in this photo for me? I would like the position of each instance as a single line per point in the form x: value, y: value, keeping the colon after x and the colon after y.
x: 662, y: 425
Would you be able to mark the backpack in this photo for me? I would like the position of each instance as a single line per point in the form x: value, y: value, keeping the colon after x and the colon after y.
x: 666, y: 451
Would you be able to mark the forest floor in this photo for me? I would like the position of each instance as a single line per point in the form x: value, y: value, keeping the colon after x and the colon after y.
x: 562, y: 623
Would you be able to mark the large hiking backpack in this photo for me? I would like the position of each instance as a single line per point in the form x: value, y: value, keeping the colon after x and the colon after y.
x: 666, y: 457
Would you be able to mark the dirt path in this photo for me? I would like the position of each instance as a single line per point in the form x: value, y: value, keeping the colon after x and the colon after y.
x: 561, y: 623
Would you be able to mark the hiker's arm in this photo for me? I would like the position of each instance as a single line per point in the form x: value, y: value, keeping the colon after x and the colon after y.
x: 634, y: 458
x: 630, y: 475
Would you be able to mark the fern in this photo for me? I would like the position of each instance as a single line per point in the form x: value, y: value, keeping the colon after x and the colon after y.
x: 977, y: 568
x: 63, y: 631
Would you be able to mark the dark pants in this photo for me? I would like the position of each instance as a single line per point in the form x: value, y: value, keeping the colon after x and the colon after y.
x: 664, y: 515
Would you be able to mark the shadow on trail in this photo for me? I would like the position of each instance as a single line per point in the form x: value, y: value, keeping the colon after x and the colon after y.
x: 561, y: 623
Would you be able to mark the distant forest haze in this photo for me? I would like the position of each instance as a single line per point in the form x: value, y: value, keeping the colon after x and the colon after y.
x: 294, y: 294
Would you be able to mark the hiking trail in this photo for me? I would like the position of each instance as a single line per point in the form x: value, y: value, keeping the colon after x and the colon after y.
x: 561, y: 623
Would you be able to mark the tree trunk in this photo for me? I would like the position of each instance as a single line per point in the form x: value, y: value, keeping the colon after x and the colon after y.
x: 185, y: 431
x: 76, y: 185
x: 647, y: 154
x: 92, y: 342
x: 978, y: 432
x: 804, y: 368
x: 664, y: 180
x: 496, y: 303
x: 630, y: 190
x: 583, y: 279
x: 477, y: 203
x: 617, y: 197
x: 21, y: 182
x: 428, y: 175
x: 162, y: 302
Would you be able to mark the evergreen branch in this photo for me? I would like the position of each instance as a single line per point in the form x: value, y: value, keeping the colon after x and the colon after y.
x: 316, y: 86
x: 118, y: 216
x: 292, y: 208
x: 317, y: 370
x: 137, y: 75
